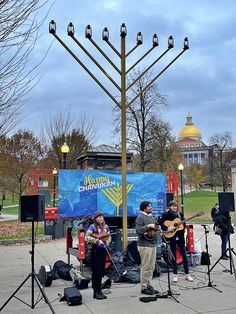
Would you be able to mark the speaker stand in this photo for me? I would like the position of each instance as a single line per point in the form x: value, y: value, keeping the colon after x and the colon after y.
x: 34, y: 279
x: 231, y: 251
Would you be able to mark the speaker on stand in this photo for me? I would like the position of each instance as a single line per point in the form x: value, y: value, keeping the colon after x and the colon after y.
x: 32, y: 207
x: 226, y: 201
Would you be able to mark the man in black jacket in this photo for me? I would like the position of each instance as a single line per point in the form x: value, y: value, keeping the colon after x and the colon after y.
x: 176, y: 239
x: 146, y: 248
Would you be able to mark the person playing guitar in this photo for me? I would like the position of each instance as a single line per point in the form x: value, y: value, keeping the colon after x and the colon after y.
x: 176, y: 239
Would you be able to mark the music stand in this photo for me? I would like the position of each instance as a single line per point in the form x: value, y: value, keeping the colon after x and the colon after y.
x: 209, y: 284
x: 34, y: 278
x: 169, y: 291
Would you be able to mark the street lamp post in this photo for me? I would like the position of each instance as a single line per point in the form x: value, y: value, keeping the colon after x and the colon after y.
x: 123, y: 87
x: 181, y: 168
x: 65, y: 150
x: 54, y: 172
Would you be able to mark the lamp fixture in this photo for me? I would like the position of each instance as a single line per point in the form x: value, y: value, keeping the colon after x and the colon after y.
x: 139, y: 38
x: 180, y: 167
x: 186, y: 43
x: 70, y: 29
x: 88, y: 32
x: 170, y: 42
x: 52, y: 27
x: 155, y: 41
x: 105, y: 34
x: 65, y: 148
x: 123, y: 30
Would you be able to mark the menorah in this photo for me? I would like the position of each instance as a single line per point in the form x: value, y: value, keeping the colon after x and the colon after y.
x: 123, y: 87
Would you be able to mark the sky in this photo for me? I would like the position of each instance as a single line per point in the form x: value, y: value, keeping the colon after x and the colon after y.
x: 202, y: 81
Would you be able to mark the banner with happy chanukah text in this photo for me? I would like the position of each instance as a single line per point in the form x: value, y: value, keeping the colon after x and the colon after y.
x: 82, y: 192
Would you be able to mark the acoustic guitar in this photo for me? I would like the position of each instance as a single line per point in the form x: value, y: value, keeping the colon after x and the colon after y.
x: 178, y: 224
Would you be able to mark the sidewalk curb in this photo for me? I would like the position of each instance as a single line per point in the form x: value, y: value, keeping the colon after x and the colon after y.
x: 25, y: 240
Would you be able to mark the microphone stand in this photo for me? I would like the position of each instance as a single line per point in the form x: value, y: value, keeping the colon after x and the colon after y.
x: 208, y: 263
x: 169, y: 291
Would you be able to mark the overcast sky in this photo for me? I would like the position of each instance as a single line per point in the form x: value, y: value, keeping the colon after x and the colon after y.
x: 202, y: 81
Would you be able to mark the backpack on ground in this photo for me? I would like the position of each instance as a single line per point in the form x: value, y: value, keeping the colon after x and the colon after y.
x: 61, y: 270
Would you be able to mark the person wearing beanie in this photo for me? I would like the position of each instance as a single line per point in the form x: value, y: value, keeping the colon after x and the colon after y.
x: 98, y: 234
x: 146, y: 247
x: 176, y: 239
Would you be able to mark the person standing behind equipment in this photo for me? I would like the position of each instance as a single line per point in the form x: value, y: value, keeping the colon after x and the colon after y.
x: 223, y: 228
x: 215, y: 210
x: 95, y: 235
x: 176, y: 239
x: 146, y: 248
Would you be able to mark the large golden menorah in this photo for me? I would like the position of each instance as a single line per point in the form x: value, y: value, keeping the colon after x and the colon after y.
x: 121, y: 84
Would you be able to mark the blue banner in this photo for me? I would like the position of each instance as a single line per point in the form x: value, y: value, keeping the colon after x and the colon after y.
x: 82, y: 192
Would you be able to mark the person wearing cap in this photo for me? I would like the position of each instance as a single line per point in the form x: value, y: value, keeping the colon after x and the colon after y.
x: 95, y: 236
x: 146, y: 247
x: 176, y: 239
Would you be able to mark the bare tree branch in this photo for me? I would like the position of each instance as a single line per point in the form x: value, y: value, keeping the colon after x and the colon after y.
x: 19, y: 32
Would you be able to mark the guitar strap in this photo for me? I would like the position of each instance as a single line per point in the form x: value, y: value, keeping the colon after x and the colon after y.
x: 179, y: 216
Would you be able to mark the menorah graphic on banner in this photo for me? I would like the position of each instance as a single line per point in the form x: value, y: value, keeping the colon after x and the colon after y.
x: 114, y: 194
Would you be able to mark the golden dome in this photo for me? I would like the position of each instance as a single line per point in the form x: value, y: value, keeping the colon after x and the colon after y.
x: 189, y: 130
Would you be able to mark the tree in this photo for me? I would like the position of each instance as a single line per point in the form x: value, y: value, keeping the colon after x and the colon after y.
x: 18, y: 34
x: 221, y: 157
x: 140, y: 115
x: 164, y: 153
x: 63, y: 127
x: 195, y: 174
x: 20, y: 154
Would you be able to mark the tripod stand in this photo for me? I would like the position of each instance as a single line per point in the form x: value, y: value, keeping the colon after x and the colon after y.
x: 208, y: 263
x: 169, y: 291
x: 34, y: 278
x: 231, y: 261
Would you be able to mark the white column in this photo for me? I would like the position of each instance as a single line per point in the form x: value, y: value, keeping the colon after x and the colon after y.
x: 233, y: 177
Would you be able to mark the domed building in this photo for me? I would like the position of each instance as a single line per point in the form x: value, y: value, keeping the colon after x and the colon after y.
x: 191, y: 145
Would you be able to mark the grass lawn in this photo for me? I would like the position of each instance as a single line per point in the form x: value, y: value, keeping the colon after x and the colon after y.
x: 198, y: 201
x: 17, y: 230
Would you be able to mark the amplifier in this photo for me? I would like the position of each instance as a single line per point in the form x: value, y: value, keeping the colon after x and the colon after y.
x: 117, y: 238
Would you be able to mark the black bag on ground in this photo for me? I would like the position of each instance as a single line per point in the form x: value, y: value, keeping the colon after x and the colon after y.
x: 131, y: 274
x: 205, y: 259
x: 61, y: 270
x: 73, y: 296
x: 132, y: 252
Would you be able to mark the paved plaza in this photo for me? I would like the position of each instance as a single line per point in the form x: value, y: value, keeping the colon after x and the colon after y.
x: 15, y: 265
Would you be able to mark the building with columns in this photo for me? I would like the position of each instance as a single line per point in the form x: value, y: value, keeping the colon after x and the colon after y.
x: 190, y: 144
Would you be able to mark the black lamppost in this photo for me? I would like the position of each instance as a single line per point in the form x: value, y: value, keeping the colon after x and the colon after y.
x: 65, y: 150
x: 54, y: 172
x: 181, y: 168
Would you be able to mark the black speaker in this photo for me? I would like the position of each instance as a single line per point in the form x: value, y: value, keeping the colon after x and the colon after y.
x: 226, y: 201
x: 32, y: 207
x: 169, y: 197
